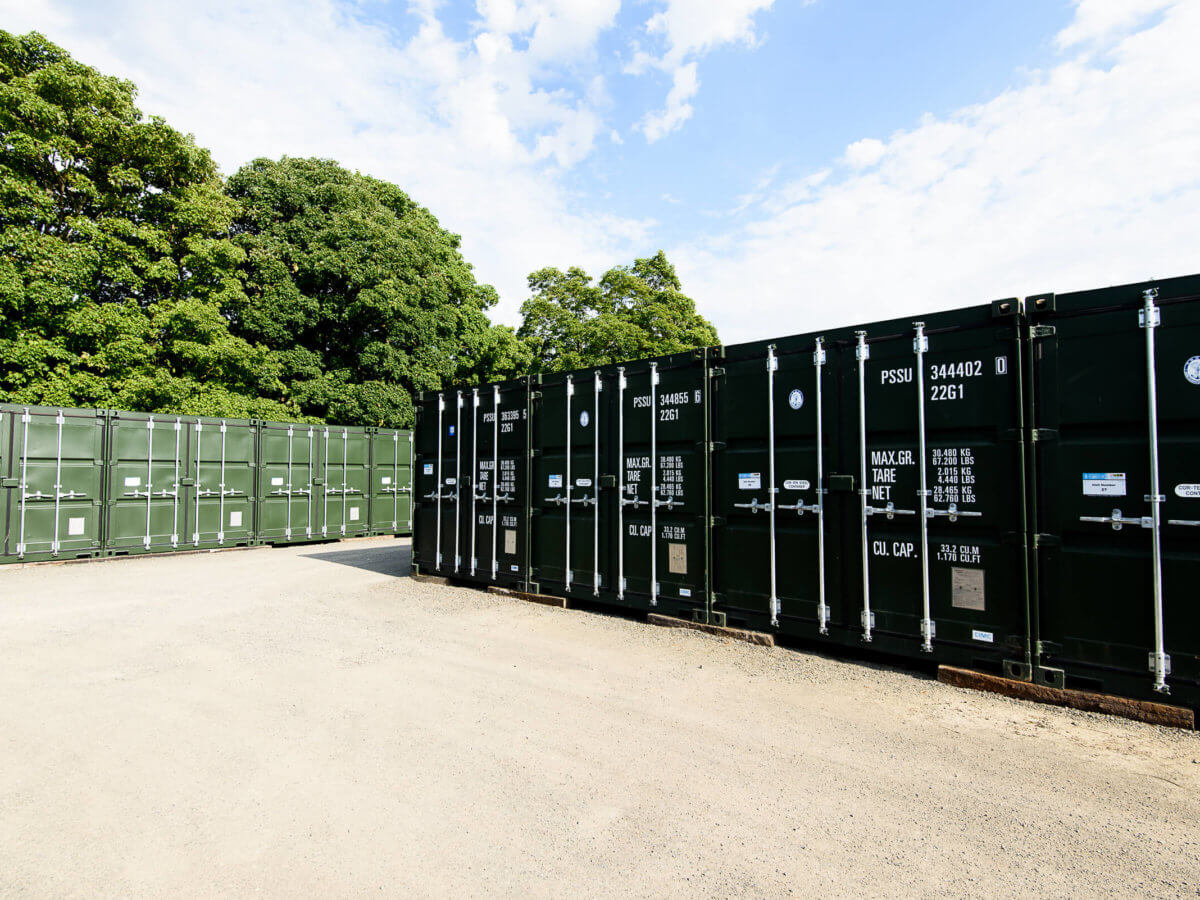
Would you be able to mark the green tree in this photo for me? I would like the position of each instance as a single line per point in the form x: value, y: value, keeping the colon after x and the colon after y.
x: 117, y: 274
x: 632, y: 312
x: 360, y: 294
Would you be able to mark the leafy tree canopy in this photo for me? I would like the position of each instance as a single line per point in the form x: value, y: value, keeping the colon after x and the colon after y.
x: 632, y: 312
x: 116, y: 268
x: 359, y: 293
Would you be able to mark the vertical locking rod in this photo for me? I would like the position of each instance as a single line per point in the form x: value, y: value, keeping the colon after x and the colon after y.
x: 458, y: 483
x: 772, y: 365
x: 57, y: 481
x: 24, y: 481
x: 175, y: 488
x: 149, y: 476
x: 920, y: 347
x: 495, y: 477
x: 822, y: 607
x: 1150, y: 321
x: 654, y: 484
x: 863, y: 353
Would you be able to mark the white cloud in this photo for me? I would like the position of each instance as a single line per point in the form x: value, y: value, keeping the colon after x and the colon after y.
x: 688, y: 30
x: 468, y: 127
x: 1083, y: 176
x: 865, y: 153
x: 1096, y: 20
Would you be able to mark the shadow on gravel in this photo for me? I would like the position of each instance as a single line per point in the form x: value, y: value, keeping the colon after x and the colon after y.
x: 390, y: 559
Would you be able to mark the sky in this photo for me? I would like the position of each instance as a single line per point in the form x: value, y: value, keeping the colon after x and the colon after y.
x: 804, y: 163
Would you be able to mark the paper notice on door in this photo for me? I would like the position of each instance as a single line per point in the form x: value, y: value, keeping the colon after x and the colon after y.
x: 354, y: 514
x: 510, y: 542
x: 677, y: 559
x: 75, y: 526
x: 133, y: 482
x: 966, y: 588
x: 555, y: 481
x: 235, y: 519
x: 1104, y: 484
x: 387, y: 479
x: 749, y: 481
x: 276, y: 482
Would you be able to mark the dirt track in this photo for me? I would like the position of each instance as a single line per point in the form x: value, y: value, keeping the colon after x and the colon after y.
x: 303, y: 722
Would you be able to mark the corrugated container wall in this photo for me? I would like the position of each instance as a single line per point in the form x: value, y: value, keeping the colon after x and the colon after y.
x: 51, y: 482
x: 1116, y: 405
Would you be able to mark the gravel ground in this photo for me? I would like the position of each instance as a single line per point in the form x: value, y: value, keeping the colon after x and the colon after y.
x: 303, y: 721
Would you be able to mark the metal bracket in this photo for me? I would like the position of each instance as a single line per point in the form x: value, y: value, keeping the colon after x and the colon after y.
x: 1041, y: 331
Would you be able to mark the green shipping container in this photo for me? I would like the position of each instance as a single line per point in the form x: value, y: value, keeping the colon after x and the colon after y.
x: 52, y: 473
x: 290, y: 486
x: 345, y: 481
x: 1116, y: 405
x: 179, y: 482
x: 391, y: 481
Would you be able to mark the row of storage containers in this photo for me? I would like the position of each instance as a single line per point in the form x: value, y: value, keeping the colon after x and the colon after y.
x: 1012, y: 487
x: 78, y: 483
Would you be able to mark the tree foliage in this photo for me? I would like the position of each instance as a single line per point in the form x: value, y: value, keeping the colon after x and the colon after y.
x: 632, y: 312
x: 359, y: 293
x: 116, y: 267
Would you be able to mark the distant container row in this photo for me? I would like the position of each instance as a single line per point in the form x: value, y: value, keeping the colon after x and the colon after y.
x: 1012, y: 487
x: 81, y: 483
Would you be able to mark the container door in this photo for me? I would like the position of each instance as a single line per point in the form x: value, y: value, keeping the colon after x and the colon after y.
x: 356, y: 481
x: 940, y: 520
x: 287, y: 463
x: 774, y: 550
x: 1117, y: 402
x: 146, y: 483
x: 660, y: 519
x: 223, y: 462
x: 553, y: 481
x: 427, y: 492
x: 55, y: 482
x: 500, y: 457
x: 390, y: 482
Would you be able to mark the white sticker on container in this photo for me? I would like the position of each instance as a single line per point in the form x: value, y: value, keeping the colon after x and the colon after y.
x: 556, y: 481
x: 428, y: 468
x: 749, y: 481
x: 966, y: 589
x: 583, y: 482
x: 276, y: 482
x: 1104, y: 484
x: 133, y: 482
x: 685, y: 592
x: 514, y: 568
x: 235, y: 519
x: 985, y: 636
x: 387, y: 479
x: 451, y: 481
x: 1188, y: 491
x: 354, y: 514
x: 583, y: 419
x: 796, y: 484
x: 796, y: 399
x: 76, y: 526
x: 510, y: 542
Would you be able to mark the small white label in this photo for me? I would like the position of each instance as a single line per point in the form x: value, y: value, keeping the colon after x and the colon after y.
x: 556, y: 481
x: 75, y: 526
x: 749, y: 481
x: 514, y: 568
x: 427, y: 468
x: 583, y: 418
x: 387, y: 479
x: 235, y: 519
x: 354, y: 514
x: 796, y: 484
x: 583, y: 482
x: 133, y: 482
x: 1188, y: 491
x: 451, y: 431
x: 685, y: 592
x: 1191, y: 370
x: 276, y: 482
x: 796, y: 398
x: 451, y: 481
x: 985, y: 636
x: 1104, y: 484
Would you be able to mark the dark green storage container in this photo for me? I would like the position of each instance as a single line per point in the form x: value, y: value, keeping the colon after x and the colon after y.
x: 290, y: 486
x: 147, y: 502
x: 391, y: 481
x: 52, y: 477
x: 439, y: 514
x: 908, y: 531
x: 1116, y: 405
x: 345, y: 480
x: 222, y: 468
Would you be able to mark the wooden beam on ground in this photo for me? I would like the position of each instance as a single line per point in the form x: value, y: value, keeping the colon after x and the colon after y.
x: 544, y: 599
x: 738, y: 634
x: 1141, y: 710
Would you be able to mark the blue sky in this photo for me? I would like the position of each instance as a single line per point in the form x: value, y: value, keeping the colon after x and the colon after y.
x: 805, y: 164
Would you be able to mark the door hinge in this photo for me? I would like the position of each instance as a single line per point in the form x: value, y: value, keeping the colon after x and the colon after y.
x: 716, y: 521
x: 1037, y: 435
x: 716, y: 372
x: 1041, y: 331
